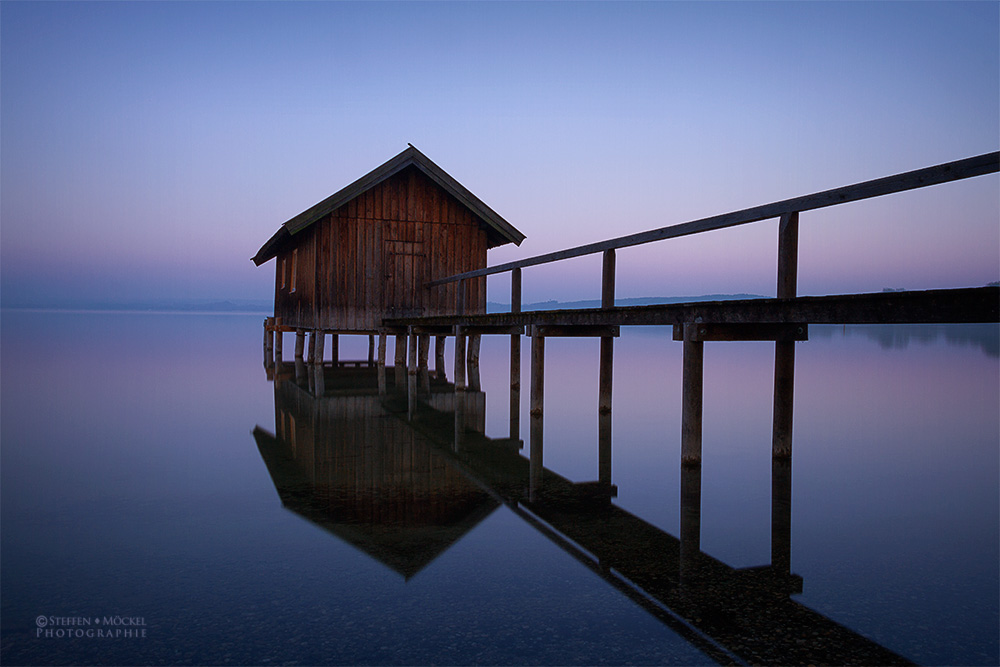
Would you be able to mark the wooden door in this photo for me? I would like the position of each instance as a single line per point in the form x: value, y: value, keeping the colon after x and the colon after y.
x: 405, y: 268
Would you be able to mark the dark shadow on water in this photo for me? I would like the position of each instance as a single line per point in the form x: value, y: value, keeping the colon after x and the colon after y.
x: 404, y: 479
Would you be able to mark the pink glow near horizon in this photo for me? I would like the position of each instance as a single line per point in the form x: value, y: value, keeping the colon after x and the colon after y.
x: 148, y: 150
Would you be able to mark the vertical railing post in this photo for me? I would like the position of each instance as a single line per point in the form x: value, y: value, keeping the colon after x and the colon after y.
x: 607, y: 342
x: 515, y: 358
x: 784, y: 390
x: 788, y: 251
x: 784, y: 351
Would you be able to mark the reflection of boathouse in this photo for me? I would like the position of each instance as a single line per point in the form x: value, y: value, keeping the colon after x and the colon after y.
x: 344, y: 461
x: 402, y: 474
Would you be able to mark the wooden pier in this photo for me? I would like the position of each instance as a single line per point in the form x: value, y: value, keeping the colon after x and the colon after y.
x: 732, y: 615
x: 784, y: 319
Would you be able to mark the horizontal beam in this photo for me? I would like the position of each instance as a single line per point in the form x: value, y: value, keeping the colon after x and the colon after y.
x: 573, y: 331
x: 495, y: 329
x: 951, y: 306
x: 979, y: 165
x: 741, y: 332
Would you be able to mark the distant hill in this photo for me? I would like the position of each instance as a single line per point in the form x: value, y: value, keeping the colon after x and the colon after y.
x: 494, y: 307
x: 159, y: 305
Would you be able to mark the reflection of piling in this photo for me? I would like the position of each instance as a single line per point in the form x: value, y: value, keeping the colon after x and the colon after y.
x: 459, y: 421
x: 690, y: 521
x: 781, y: 514
x: 604, y: 448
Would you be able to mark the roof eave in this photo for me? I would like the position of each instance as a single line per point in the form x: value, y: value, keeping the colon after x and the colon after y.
x: 504, y: 232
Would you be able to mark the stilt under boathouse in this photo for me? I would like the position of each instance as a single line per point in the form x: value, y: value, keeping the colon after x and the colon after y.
x: 365, y: 254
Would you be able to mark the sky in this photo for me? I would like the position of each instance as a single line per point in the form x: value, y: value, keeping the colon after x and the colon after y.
x: 147, y: 150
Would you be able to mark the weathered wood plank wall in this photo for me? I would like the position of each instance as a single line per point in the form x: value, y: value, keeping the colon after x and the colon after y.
x: 373, y: 257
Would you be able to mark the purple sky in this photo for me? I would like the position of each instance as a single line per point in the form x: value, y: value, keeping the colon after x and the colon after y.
x: 149, y: 149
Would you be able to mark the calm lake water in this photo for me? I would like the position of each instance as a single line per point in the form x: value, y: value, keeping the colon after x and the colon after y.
x: 148, y: 493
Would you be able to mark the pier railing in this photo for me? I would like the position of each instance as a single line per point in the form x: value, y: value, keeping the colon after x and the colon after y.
x: 787, y: 211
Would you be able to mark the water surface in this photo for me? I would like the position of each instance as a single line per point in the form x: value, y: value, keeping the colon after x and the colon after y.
x: 133, y: 486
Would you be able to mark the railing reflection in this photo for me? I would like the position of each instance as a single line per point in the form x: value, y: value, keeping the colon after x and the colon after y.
x: 405, y: 472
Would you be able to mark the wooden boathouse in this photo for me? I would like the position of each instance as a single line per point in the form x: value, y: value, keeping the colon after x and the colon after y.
x: 365, y: 252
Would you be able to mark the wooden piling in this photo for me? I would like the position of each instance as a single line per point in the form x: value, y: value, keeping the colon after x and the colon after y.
x: 371, y: 348
x: 537, y: 374
x: 411, y: 375
x: 277, y: 340
x: 784, y: 391
x: 269, y: 342
x: 300, y: 343
x: 320, y: 339
x: 459, y: 359
x: 690, y: 524
x: 399, y: 363
x: 312, y: 348
x: 473, y: 362
x: 781, y: 514
x: 335, y: 349
x: 381, y: 362
x: 439, y: 371
x: 423, y: 374
x: 691, y: 401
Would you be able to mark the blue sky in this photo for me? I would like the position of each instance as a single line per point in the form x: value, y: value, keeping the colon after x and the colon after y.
x: 148, y: 149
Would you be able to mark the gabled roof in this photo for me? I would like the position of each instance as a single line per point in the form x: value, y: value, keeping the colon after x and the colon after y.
x: 502, y: 231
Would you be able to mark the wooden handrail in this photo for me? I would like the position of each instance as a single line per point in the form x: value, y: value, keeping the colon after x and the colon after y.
x: 979, y: 165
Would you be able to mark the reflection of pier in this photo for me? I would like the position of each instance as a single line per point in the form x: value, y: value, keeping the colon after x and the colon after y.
x: 405, y: 472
